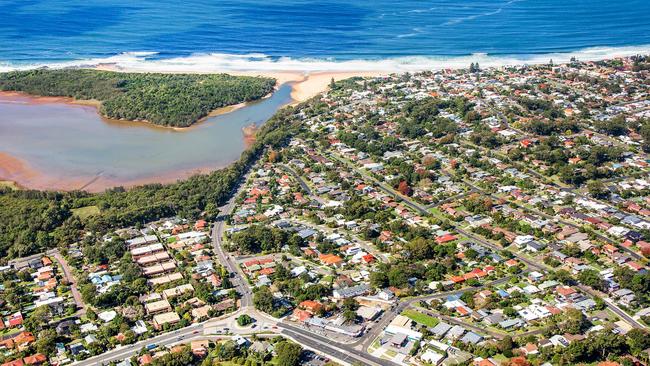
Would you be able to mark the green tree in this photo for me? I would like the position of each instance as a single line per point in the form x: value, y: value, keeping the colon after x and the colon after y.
x: 597, y: 189
x: 244, y: 320
x: 288, y: 353
x: 45, y: 342
x: 263, y: 299
x: 591, y: 277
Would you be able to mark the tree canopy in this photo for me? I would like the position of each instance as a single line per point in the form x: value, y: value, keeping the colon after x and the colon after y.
x: 177, y: 100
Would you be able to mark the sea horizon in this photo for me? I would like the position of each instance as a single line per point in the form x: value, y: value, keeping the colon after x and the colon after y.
x: 311, y: 36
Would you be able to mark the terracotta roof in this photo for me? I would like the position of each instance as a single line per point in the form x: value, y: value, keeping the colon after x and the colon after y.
x: 14, y: 363
x: 35, y: 359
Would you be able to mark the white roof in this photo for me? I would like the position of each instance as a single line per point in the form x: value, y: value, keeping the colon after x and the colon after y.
x: 107, y: 316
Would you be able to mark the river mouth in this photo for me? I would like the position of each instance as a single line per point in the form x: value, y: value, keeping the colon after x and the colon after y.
x: 51, y: 145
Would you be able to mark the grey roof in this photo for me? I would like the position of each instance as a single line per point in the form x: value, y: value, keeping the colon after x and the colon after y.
x: 536, y: 245
x: 586, y: 304
x: 494, y: 318
x: 456, y: 331
x: 440, y: 329
x: 305, y: 233
x: 398, y: 338
x: 622, y: 292
x: 509, y: 323
x: 472, y: 338
x: 353, y: 291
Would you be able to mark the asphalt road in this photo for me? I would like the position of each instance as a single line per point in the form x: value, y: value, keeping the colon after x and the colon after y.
x: 128, y: 351
x: 67, y: 273
x: 340, y: 351
x: 238, y: 280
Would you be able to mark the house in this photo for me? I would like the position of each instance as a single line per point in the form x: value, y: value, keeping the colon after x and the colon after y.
x: 18, y: 362
x: 200, y: 347
x: 440, y: 330
x: 331, y: 260
x: 262, y: 347
x: 157, y: 307
x: 445, y: 238
x: 559, y: 341
x: 107, y: 315
x: 529, y: 349
x: 311, y: 306
x: 511, y: 323
x: 493, y: 319
x: 160, y: 320
x: 566, y: 293
x: 455, y: 332
x: 368, y: 313
x: 145, y: 359
x: 37, y: 359
x: 485, y: 362
x: 534, y: 246
x: 300, y: 315
x: 432, y: 357
x: 65, y: 327
x: 511, y: 263
x: 386, y: 294
x: 347, y: 292
x: 472, y: 338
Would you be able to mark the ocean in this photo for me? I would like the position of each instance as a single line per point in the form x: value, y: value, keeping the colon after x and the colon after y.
x: 316, y: 35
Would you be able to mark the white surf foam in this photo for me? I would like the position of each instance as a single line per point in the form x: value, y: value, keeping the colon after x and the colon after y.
x: 219, y: 62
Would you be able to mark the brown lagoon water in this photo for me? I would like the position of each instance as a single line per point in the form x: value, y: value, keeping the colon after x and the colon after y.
x: 53, y: 145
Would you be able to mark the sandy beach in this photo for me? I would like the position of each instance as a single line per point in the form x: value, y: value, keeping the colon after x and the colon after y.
x: 316, y: 83
x: 308, y: 85
x: 19, y: 97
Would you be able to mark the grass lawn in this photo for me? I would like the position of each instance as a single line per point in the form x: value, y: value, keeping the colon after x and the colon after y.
x: 421, y: 318
x: 328, y: 279
x: 85, y: 212
x: 435, y: 211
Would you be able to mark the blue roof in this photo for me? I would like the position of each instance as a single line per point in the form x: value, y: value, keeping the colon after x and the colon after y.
x: 453, y: 297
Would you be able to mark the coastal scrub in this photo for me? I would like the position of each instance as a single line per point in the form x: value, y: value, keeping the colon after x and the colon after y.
x: 174, y: 100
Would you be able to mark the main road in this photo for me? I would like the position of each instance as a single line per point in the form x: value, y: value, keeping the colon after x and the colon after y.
x: 237, y: 277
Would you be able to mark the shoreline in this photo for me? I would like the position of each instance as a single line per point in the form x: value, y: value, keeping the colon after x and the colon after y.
x: 30, y: 99
x: 26, y: 98
x: 305, y: 85
x: 24, y: 176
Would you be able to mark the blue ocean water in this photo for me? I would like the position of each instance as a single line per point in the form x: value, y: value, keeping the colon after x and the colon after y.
x: 55, y: 31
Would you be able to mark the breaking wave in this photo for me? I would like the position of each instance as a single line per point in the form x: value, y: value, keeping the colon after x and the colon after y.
x: 256, y: 62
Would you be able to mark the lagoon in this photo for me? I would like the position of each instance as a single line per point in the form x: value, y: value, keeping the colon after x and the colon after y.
x: 53, y: 145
